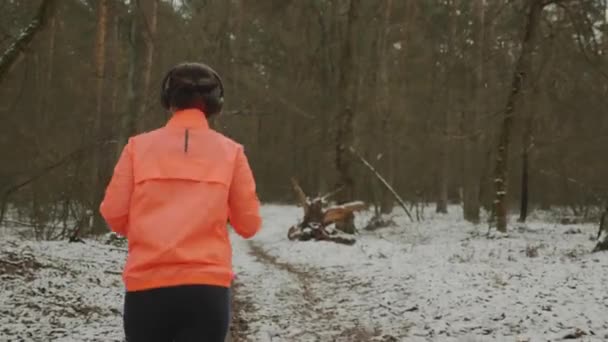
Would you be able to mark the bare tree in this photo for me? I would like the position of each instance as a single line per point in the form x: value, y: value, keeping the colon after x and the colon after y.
x: 384, y: 107
x: 100, y: 63
x: 472, y: 162
x: 149, y: 33
x: 527, y: 146
x: 447, y: 115
x: 346, y: 112
x: 117, y: 58
x: 520, y: 74
x: 345, y: 116
x: 129, y: 119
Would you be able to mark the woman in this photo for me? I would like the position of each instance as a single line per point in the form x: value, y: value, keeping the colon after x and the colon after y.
x: 171, y: 195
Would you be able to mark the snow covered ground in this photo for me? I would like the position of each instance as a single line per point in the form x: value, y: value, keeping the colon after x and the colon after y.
x: 60, y: 291
x: 438, y: 280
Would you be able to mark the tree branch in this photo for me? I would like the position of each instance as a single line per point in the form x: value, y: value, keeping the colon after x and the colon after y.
x: 383, y: 181
x: 15, y: 50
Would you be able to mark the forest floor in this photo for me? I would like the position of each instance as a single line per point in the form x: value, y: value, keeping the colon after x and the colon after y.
x: 438, y: 280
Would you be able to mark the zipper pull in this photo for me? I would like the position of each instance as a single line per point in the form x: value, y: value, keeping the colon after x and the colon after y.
x: 187, y: 135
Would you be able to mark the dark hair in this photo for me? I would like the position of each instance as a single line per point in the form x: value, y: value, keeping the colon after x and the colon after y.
x: 193, y: 85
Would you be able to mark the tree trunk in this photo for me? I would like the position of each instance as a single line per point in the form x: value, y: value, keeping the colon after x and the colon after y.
x: 444, y: 145
x: 536, y: 102
x: 100, y: 62
x: 128, y: 122
x: 521, y: 72
x: 384, y: 106
x: 47, y: 86
x: 148, y: 38
x: 118, y: 57
x: 444, y: 149
x: 346, y: 111
x: 443, y: 170
x: 527, y: 144
x: 51, y: 57
x: 472, y: 161
x: 442, y: 200
x: 523, y: 215
x: 16, y: 49
x: 347, y: 90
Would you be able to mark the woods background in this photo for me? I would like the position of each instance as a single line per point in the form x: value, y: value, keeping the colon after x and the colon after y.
x: 443, y: 97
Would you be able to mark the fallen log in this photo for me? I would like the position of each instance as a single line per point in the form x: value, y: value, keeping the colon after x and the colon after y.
x: 340, y: 212
x: 322, y: 223
x: 319, y: 233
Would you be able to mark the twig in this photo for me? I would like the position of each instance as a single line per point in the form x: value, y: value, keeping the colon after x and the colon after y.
x: 331, y: 194
x: 112, y: 272
x: 400, y: 312
x: 383, y: 181
x: 14, y: 264
x: 118, y: 249
x: 24, y: 224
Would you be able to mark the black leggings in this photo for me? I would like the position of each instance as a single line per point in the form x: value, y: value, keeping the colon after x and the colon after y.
x: 178, y: 314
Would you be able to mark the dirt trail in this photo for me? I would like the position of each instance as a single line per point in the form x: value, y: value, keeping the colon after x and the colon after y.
x: 293, y: 292
x: 300, y: 293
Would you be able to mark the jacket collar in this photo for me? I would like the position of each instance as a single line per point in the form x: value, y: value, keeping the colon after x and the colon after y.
x: 188, y: 118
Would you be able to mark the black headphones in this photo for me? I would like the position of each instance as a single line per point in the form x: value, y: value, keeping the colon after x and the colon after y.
x: 212, y: 93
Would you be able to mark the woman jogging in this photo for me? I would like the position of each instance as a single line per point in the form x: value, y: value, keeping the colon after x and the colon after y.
x: 171, y: 195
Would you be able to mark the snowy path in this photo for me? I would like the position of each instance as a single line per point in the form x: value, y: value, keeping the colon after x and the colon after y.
x: 280, y: 286
x: 447, y: 282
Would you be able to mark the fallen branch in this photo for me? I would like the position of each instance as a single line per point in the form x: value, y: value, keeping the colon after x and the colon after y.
x: 117, y: 249
x: 10, y: 263
x: 331, y: 194
x: 23, y: 224
x: 301, y: 195
x: 112, y: 272
x: 578, y: 333
x: 399, y: 313
x: 383, y: 181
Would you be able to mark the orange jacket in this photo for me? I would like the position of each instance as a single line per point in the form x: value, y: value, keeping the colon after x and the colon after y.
x: 172, y: 193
